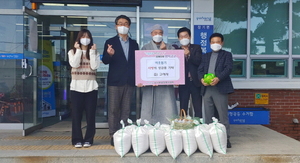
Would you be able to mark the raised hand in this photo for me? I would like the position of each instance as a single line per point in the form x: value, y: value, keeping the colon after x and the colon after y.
x: 76, y: 45
x: 163, y: 46
x: 94, y: 47
x: 186, y: 51
x: 110, y: 50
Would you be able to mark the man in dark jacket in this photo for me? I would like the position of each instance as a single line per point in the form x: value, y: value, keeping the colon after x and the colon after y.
x: 119, y: 53
x: 192, y: 55
x: 215, y: 94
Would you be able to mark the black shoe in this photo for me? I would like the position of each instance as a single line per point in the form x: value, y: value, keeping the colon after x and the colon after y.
x: 112, y: 141
x: 228, y: 144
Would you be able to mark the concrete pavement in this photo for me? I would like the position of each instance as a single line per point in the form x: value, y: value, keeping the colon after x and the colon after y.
x: 250, y: 144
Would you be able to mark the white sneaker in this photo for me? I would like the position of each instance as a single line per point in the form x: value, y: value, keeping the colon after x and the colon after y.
x: 87, y: 144
x: 78, y: 145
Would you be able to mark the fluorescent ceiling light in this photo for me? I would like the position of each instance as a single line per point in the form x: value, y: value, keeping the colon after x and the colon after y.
x: 103, y: 36
x: 75, y: 17
x: 98, y: 25
x: 77, y: 5
x: 46, y: 35
x: 27, y: 24
x: 174, y: 27
x: 170, y: 8
x: 169, y: 19
x: 54, y: 28
x: 53, y: 4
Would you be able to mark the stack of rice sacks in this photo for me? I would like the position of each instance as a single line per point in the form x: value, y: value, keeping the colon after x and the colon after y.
x: 205, y: 137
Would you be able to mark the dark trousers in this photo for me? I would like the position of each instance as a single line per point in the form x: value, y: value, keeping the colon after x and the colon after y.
x: 119, y: 100
x: 214, y: 100
x: 83, y: 102
x: 184, y: 96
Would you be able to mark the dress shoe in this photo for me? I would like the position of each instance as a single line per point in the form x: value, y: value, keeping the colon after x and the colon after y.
x: 228, y: 144
x: 112, y: 141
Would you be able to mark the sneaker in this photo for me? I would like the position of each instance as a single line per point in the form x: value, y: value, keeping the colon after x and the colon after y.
x: 78, y: 145
x: 228, y: 144
x: 87, y: 144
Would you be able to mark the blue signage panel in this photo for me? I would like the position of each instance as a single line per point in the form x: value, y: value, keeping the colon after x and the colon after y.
x: 11, y: 56
x: 201, y: 36
x: 249, y: 116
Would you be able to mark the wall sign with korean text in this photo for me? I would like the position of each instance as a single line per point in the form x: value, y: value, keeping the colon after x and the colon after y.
x: 261, y: 98
x: 203, y: 29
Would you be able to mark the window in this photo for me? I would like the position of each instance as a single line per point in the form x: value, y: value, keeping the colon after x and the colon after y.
x: 269, y: 68
x: 230, y: 19
x: 296, y: 27
x: 11, y: 41
x: 296, y: 70
x: 238, y: 69
x: 12, y: 4
x: 269, y: 30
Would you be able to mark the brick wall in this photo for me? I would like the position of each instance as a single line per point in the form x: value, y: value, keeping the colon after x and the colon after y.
x: 284, y: 105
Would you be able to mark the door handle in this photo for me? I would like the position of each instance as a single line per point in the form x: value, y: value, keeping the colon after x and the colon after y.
x: 24, y: 76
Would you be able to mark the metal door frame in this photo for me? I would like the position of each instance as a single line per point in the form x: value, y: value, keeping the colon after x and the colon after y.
x: 35, y: 127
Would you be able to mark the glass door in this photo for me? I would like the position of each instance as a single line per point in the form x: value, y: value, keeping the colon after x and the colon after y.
x: 32, y: 68
x: 62, y: 76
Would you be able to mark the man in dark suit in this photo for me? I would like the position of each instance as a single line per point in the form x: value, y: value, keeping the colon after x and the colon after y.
x: 192, y: 55
x: 119, y: 53
x: 215, y: 94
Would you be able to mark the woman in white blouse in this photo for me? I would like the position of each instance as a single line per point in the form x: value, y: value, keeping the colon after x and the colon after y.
x: 84, y: 60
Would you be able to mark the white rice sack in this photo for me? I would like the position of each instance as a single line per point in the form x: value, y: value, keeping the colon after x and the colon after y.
x: 157, y: 139
x: 140, y: 140
x: 203, y: 139
x: 173, y: 140
x: 130, y: 126
x: 165, y: 127
x: 122, y: 140
x: 147, y: 125
x: 189, y: 141
x: 218, y: 136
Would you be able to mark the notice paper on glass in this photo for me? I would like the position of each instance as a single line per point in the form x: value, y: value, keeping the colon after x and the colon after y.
x: 159, y: 67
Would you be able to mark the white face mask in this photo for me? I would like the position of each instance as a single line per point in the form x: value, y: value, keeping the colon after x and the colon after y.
x: 215, y: 47
x: 123, y: 30
x: 157, y: 38
x: 184, y: 41
x: 85, y: 41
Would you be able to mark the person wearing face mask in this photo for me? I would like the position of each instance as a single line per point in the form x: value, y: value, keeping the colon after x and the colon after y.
x: 84, y: 60
x: 157, y: 42
x: 158, y: 102
x: 119, y: 53
x: 192, y: 55
x: 215, y: 95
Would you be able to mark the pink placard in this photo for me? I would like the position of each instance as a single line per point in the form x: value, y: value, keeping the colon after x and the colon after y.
x: 159, y: 67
